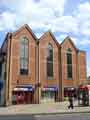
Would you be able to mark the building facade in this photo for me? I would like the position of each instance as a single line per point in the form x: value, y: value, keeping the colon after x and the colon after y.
x: 37, y: 70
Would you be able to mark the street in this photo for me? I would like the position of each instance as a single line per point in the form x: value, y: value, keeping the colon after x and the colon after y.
x: 83, y: 116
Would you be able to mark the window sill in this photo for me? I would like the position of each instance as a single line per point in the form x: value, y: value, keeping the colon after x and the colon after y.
x: 50, y: 78
x: 70, y: 78
x: 24, y: 75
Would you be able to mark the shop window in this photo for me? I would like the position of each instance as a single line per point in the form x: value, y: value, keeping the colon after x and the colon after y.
x: 48, y: 94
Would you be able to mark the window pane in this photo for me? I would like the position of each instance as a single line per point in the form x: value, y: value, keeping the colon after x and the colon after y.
x: 24, y: 56
x: 69, y: 63
x: 25, y: 64
x: 69, y: 58
x: 25, y: 41
x: 50, y: 47
x: 22, y: 63
x: 22, y: 51
x: 49, y: 69
x: 24, y: 71
x: 26, y: 51
x: 50, y: 55
x: 50, y: 61
x: 69, y: 69
x: 22, y: 41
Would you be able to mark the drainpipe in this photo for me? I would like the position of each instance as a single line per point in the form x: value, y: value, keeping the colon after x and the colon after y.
x: 78, y: 68
x: 7, y: 86
x: 37, y: 73
x: 60, y: 76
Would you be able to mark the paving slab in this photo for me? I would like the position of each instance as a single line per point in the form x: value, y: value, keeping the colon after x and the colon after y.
x: 43, y: 109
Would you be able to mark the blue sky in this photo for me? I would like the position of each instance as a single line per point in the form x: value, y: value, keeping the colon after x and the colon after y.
x: 62, y: 17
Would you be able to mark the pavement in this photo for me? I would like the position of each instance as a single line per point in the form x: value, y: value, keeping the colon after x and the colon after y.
x: 43, y: 109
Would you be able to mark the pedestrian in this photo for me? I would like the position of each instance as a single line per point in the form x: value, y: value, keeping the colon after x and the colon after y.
x: 70, y: 101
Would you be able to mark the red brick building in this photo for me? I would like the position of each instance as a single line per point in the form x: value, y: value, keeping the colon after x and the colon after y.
x: 35, y: 70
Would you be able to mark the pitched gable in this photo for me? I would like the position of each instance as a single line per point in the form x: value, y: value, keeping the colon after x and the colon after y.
x: 70, y: 41
x: 52, y: 36
x: 27, y: 28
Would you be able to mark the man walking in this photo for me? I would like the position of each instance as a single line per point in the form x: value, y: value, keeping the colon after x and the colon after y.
x: 70, y: 102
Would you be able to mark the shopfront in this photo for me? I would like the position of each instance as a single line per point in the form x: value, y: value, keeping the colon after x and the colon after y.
x: 23, y: 95
x: 84, y: 95
x: 70, y: 90
x: 49, y: 94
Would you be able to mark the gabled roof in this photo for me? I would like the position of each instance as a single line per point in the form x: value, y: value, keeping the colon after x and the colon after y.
x: 25, y: 27
x: 53, y: 37
x: 6, y: 38
x: 70, y: 40
x: 16, y: 32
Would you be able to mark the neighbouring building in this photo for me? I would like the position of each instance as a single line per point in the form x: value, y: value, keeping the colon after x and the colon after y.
x: 36, y: 70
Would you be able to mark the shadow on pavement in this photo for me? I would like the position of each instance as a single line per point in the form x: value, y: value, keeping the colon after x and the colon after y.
x: 17, y: 117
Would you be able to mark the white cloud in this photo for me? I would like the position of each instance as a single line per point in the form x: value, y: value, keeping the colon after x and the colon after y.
x: 41, y: 13
x: 7, y: 20
x: 44, y: 6
x: 38, y: 35
x: 61, y: 37
x: 65, y: 24
x: 86, y: 31
x: 88, y: 65
x: 88, y: 71
x: 83, y: 15
x: 85, y: 42
x: 84, y: 10
x: 37, y: 15
x: 46, y: 14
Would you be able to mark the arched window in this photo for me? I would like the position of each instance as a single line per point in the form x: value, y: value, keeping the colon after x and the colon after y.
x: 49, y: 61
x: 69, y: 63
x: 24, y: 56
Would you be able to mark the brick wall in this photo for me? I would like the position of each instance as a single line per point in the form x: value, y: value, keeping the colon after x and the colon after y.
x: 38, y: 72
x: 15, y: 59
x: 82, y: 67
x: 44, y: 41
x: 68, y: 82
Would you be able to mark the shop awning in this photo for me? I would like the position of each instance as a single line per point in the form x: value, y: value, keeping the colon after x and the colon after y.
x: 50, y: 88
x: 24, y: 88
x: 69, y: 88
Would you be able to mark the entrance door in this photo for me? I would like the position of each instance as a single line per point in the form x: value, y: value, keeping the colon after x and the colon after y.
x: 48, y: 96
x: 29, y: 97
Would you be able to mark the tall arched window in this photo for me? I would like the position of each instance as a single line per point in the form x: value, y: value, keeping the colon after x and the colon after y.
x: 69, y: 63
x: 24, y: 56
x: 49, y: 61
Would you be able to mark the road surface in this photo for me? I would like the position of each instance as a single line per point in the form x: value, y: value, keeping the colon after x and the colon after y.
x: 48, y: 117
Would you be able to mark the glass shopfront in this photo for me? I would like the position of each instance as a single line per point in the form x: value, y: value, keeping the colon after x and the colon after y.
x: 23, y: 95
x: 49, y: 94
